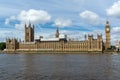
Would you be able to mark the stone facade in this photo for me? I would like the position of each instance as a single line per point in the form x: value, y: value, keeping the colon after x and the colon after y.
x: 59, y: 43
x: 12, y: 44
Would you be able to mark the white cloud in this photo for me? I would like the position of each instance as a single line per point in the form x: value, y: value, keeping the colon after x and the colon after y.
x: 90, y: 17
x: 60, y: 22
x: 7, y: 21
x: 20, y: 26
x: 35, y: 16
x: 114, y: 10
x: 11, y: 33
x: 32, y: 15
x: 115, y: 37
x: 116, y: 30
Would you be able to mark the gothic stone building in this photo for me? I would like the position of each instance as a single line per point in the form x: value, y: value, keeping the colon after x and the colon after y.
x: 59, y: 43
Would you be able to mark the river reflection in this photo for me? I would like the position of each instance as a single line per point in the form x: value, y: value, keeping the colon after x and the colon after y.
x: 59, y: 67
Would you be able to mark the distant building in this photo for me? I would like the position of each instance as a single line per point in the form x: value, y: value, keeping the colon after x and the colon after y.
x: 117, y: 45
x: 59, y: 43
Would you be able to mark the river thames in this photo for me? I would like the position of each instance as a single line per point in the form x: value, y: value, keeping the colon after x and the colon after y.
x: 59, y: 67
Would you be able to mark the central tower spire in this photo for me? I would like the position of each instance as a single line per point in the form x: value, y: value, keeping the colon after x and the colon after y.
x: 57, y: 33
x: 29, y: 33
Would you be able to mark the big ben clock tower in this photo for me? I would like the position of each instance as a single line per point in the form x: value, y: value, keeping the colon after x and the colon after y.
x: 107, y: 33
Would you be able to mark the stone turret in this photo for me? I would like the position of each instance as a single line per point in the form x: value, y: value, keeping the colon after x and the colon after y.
x: 12, y: 44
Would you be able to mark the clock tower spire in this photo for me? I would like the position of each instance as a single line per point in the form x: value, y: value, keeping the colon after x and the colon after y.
x: 107, y: 33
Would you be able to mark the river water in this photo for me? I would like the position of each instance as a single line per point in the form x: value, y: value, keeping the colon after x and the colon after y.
x: 59, y: 67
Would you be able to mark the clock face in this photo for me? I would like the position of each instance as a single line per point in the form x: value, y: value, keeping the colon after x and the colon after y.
x: 107, y: 29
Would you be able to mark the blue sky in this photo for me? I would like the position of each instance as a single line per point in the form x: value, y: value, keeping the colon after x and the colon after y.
x: 73, y: 17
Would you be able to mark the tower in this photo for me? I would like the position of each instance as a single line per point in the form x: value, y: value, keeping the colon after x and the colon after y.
x: 85, y: 37
x: 57, y: 33
x: 90, y: 42
x: 107, y: 33
x: 12, y: 44
x: 99, y: 42
x: 29, y: 33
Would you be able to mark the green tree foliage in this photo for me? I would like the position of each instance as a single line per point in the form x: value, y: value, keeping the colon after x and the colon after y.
x: 113, y: 47
x: 2, y: 45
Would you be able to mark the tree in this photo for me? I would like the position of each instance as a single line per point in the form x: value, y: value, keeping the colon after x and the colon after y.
x: 113, y: 47
x: 2, y: 45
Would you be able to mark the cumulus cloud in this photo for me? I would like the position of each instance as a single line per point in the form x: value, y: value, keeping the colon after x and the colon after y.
x: 60, y: 22
x: 116, y: 30
x: 114, y: 10
x: 35, y: 16
x: 90, y: 17
x: 32, y: 15
x: 7, y: 21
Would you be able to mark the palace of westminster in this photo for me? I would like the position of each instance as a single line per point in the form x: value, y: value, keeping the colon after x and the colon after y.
x: 59, y: 43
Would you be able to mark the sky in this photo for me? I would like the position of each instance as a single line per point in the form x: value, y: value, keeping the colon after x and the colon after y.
x: 75, y: 18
